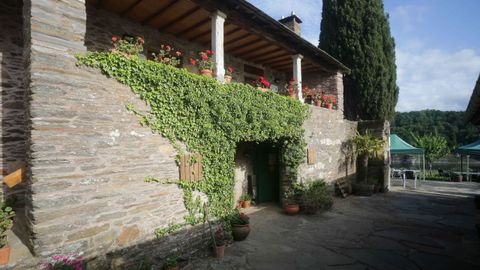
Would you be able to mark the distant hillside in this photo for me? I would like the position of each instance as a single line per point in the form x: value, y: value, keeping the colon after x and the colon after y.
x: 449, y: 124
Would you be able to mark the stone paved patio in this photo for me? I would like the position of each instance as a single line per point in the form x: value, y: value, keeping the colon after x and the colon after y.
x: 432, y: 227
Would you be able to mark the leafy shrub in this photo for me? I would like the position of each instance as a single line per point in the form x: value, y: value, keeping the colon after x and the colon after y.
x: 171, y: 261
x: 294, y: 194
x: 238, y: 218
x: 245, y: 197
x: 317, y: 196
x: 210, y: 118
x: 6, y: 220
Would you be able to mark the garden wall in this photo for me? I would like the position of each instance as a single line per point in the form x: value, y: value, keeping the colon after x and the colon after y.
x: 89, y: 156
x: 14, y: 131
x: 326, y: 133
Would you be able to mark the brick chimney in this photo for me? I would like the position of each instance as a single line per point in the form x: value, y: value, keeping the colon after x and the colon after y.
x: 292, y: 22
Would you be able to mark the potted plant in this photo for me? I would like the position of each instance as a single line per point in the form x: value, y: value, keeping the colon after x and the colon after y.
x: 171, y: 263
x: 291, y: 87
x: 219, y: 243
x: 6, y: 221
x: 246, y: 200
x: 228, y: 74
x: 168, y: 55
x: 366, y: 145
x: 204, y: 63
x: 262, y: 84
x: 291, y: 197
x: 127, y: 47
x: 329, y: 101
x: 316, y: 197
x: 64, y: 262
x: 240, y: 225
x: 317, y: 96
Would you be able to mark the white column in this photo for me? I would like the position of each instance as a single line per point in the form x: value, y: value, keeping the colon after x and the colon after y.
x: 218, y: 20
x: 297, y: 74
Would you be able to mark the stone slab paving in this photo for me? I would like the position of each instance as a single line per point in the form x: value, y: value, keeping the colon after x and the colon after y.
x: 432, y: 227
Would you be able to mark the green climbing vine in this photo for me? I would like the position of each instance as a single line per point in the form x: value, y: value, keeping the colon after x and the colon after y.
x: 209, y: 118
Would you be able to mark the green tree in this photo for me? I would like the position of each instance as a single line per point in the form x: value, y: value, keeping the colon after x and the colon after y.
x: 435, y: 147
x: 448, y: 124
x: 366, y: 145
x: 358, y: 34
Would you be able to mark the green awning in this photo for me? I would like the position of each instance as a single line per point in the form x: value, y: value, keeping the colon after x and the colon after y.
x: 469, y: 149
x: 399, y: 146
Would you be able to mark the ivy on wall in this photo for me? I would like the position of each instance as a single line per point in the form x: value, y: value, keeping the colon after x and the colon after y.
x: 209, y: 118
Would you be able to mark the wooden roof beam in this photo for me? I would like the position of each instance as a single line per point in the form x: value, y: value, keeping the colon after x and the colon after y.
x: 237, y: 39
x: 253, y: 55
x: 242, y: 45
x: 159, y: 12
x: 274, y: 54
x: 188, y: 29
x: 130, y: 7
x: 185, y: 15
x: 249, y: 47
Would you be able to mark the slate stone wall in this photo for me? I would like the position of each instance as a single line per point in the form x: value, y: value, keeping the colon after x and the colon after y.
x: 326, y: 132
x: 87, y: 155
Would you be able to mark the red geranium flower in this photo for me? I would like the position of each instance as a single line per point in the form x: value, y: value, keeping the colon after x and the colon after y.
x: 192, y: 61
x: 230, y: 69
x: 114, y: 38
x: 204, y: 56
x: 208, y: 52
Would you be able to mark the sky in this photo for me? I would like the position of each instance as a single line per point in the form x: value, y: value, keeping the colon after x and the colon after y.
x: 437, y: 47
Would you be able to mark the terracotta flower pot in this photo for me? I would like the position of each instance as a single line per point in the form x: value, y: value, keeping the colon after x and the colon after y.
x: 263, y: 89
x: 318, y: 103
x: 240, y: 232
x: 4, y: 255
x: 206, y: 72
x: 219, y: 251
x: 228, y: 78
x: 292, y: 209
x: 246, y: 204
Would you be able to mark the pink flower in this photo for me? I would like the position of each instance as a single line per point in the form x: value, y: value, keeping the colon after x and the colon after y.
x: 178, y: 53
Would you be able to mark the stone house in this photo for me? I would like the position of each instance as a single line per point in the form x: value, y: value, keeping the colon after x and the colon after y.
x: 86, y: 156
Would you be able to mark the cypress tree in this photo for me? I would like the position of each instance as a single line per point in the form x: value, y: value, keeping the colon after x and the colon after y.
x: 358, y: 34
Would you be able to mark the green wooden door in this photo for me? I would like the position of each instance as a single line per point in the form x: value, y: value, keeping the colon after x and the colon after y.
x: 266, y: 171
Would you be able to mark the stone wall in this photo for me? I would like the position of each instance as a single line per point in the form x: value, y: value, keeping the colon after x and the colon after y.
x: 326, y: 132
x: 13, y: 104
x: 89, y: 156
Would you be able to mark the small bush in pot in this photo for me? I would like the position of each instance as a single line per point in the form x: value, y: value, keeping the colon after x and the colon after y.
x: 240, y: 225
x: 219, y: 243
x: 317, y: 197
x: 293, y: 197
x: 246, y: 200
x: 6, y: 221
x: 171, y: 263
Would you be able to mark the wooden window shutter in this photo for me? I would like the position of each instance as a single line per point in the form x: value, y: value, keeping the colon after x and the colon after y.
x: 191, y: 169
x: 311, y: 156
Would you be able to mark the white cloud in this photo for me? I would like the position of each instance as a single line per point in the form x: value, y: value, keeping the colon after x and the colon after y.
x: 436, y: 79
